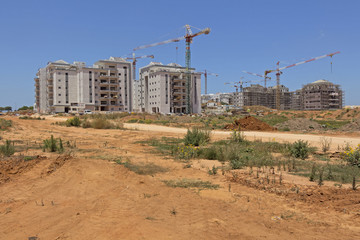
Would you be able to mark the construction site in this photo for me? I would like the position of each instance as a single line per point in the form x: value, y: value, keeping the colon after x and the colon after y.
x: 170, y: 136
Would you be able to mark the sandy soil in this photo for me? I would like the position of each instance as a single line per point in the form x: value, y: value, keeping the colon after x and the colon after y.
x: 313, y: 139
x: 86, y: 196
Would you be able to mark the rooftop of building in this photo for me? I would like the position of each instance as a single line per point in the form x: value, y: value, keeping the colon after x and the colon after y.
x: 161, y: 67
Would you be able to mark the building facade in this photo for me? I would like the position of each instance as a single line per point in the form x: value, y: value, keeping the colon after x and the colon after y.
x: 262, y: 96
x: 65, y: 87
x: 321, y: 95
x: 162, y: 89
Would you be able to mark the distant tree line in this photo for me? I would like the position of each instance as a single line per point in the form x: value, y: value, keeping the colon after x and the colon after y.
x: 26, y: 108
x: 9, y: 109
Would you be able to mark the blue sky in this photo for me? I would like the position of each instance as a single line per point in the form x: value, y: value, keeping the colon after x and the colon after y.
x: 247, y: 35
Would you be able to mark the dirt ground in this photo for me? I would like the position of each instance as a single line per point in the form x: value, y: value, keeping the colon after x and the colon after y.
x: 84, y: 195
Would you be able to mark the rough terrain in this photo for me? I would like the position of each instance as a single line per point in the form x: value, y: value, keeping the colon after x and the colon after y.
x: 83, y: 194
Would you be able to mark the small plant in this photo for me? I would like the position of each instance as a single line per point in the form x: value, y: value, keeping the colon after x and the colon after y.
x: 53, y: 145
x: 312, y: 173
x: 213, y: 171
x: 186, y: 152
x: 329, y: 175
x: 7, y: 149
x: 325, y: 144
x: 237, y: 136
x: 299, y: 149
x: 173, y: 211
x: 353, y: 185
x: 321, y: 173
x: 196, y: 137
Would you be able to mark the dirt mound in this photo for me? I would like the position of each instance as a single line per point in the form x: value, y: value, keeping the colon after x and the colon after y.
x: 16, y: 165
x: 58, y: 163
x: 250, y: 123
x: 353, y: 126
x: 299, y: 124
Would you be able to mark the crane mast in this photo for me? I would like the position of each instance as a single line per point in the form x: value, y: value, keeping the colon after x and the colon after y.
x: 134, y: 61
x: 206, y: 73
x: 279, y: 72
x: 188, y: 39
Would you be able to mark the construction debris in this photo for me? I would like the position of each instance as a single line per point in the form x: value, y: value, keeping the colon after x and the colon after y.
x: 250, y: 123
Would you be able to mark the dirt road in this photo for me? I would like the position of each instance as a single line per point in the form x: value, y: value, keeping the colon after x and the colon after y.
x: 314, y: 140
x: 91, y: 197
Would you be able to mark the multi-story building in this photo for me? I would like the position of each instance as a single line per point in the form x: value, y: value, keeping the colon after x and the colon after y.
x: 65, y: 87
x: 162, y: 89
x: 322, y: 94
x: 296, y: 102
x: 224, y: 98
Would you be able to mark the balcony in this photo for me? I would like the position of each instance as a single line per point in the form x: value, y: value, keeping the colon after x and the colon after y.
x: 179, y: 86
x: 102, y: 82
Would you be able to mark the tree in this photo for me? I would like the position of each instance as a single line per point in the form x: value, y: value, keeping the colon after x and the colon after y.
x: 25, y: 108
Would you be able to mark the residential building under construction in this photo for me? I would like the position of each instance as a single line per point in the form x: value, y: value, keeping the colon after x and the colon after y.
x: 322, y: 94
x: 65, y: 87
x: 162, y: 89
x: 262, y: 96
x: 318, y: 95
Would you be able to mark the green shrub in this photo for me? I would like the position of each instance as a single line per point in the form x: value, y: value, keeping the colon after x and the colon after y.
x: 7, y: 149
x: 102, y: 124
x: 148, y: 121
x: 352, y: 156
x: 53, y: 145
x: 133, y: 121
x: 73, y: 122
x: 196, y: 137
x: 299, y: 149
x: 210, y: 153
x: 186, y: 152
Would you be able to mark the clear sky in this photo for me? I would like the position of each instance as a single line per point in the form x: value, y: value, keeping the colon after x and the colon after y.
x: 247, y: 35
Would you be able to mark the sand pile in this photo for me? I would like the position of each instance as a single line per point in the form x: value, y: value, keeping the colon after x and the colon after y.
x: 250, y: 123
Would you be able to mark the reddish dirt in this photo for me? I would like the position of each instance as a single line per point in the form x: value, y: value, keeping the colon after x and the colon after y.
x: 249, y: 123
x: 14, y: 165
x: 91, y: 197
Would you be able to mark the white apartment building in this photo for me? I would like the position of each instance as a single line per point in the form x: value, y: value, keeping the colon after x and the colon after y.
x: 162, y: 89
x: 65, y: 87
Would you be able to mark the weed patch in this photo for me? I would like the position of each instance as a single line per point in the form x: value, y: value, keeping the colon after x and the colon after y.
x: 7, y: 149
x: 142, y: 168
x: 191, y: 183
x: 5, y: 124
x: 197, y: 137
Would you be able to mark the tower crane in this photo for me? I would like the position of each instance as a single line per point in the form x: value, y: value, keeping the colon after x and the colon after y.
x: 263, y: 76
x: 238, y: 85
x: 278, y: 73
x: 134, y: 61
x: 189, y: 35
x: 206, y: 73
